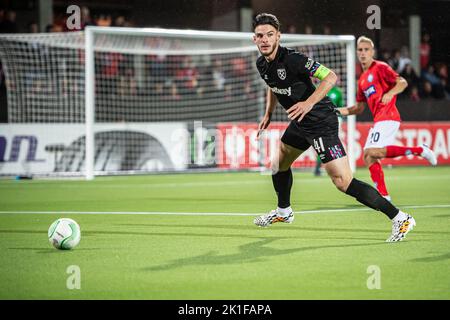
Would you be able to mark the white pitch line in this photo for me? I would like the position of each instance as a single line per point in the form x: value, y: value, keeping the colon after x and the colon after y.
x: 62, y: 212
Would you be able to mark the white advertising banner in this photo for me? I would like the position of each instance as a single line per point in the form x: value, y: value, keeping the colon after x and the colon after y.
x: 60, y: 148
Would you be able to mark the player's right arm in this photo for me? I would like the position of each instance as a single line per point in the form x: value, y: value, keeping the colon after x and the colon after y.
x: 358, y: 108
x: 271, y: 104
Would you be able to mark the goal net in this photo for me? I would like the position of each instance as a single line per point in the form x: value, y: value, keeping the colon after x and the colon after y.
x: 133, y: 100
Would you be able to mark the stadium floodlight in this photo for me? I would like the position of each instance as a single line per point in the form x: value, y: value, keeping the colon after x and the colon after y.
x: 115, y: 96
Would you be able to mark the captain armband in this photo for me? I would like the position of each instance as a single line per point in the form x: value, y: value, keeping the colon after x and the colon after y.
x: 321, y: 72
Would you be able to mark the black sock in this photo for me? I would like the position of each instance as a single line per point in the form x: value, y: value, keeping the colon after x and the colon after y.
x: 370, y: 197
x: 282, y: 182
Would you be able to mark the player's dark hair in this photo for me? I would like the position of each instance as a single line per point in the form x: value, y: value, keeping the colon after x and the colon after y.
x: 266, y: 18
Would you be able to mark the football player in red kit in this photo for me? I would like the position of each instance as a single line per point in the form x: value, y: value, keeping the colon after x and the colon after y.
x: 378, y: 86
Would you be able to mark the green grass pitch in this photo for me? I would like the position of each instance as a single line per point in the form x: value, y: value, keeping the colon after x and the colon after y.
x: 324, y: 254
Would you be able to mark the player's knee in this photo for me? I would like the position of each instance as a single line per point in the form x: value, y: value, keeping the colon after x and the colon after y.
x: 373, y: 154
x: 283, y: 163
x: 278, y: 165
x: 368, y: 153
x: 369, y: 157
x: 275, y: 167
x: 283, y: 166
x: 368, y: 160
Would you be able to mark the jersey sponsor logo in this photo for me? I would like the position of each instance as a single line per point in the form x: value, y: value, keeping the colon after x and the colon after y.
x: 370, y: 78
x: 286, y: 91
x: 281, y: 73
x: 369, y: 91
x: 309, y: 63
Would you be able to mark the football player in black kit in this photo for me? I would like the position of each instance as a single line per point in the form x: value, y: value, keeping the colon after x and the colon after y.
x: 313, y: 123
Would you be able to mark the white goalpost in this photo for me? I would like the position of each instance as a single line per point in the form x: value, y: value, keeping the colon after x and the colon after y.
x: 135, y: 100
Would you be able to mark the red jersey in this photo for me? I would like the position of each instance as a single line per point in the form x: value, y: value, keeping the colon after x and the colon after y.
x: 372, y: 85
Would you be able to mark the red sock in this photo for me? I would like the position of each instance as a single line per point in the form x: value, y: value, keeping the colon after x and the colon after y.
x: 396, y: 151
x: 377, y: 175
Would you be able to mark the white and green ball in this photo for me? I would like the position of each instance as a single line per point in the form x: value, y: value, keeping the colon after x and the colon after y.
x: 64, y: 234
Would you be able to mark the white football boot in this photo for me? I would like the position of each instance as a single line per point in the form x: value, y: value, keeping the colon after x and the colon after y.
x: 428, y: 154
x: 273, y: 217
x: 401, y: 225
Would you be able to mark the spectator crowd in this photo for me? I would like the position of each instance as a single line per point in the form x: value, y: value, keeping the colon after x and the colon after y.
x: 186, y: 76
x: 431, y: 81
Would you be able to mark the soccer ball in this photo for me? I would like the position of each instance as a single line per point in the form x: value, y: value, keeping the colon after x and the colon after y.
x: 64, y: 234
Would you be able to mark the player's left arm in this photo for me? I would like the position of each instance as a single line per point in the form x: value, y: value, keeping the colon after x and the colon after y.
x: 400, y: 86
x: 328, y: 80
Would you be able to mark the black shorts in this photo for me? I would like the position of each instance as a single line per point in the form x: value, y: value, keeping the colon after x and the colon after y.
x: 323, y: 136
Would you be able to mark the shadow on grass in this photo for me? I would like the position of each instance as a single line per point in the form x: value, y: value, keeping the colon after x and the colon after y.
x: 441, y: 216
x: 442, y: 257
x: 248, y: 253
x: 251, y: 227
x: 253, y: 232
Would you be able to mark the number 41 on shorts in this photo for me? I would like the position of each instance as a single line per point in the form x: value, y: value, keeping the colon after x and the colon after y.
x: 318, y: 145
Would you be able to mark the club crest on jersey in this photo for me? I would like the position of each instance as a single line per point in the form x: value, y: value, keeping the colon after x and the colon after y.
x: 369, y: 91
x: 370, y: 78
x: 281, y: 73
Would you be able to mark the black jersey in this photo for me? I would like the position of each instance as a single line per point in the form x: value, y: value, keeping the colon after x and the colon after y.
x: 289, y: 78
